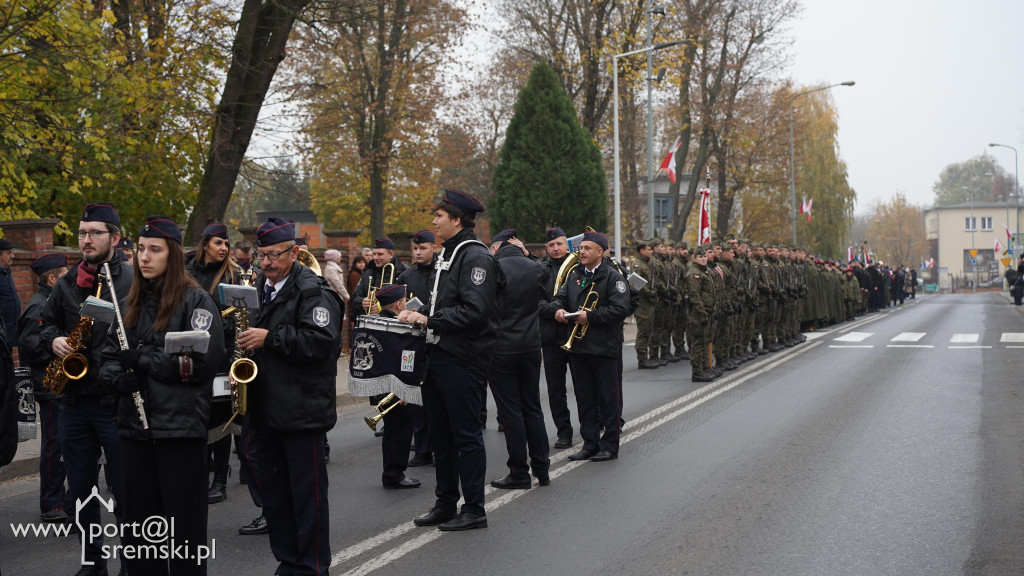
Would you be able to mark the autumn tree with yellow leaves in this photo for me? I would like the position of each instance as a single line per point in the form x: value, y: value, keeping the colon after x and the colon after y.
x: 897, y: 232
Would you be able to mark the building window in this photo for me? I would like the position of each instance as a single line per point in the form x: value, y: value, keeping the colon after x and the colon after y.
x: 662, y: 213
x: 970, y: 223
x: 986, y: 224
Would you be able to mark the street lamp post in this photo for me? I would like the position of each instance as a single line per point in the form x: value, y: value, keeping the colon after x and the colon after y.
x: 1015, y: 189
x: 615, y: 135
x: 792, y: 162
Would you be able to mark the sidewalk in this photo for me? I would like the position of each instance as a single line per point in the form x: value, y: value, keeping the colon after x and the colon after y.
x: 26, y: 461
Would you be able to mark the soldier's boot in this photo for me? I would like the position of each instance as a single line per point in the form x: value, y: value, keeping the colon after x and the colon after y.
x: 659, y: 358
x: 218, y: 491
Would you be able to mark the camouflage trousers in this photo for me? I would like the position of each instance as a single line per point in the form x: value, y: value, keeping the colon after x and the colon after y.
x: 645, y: 315
x: 697, y: 336
x: 678, y: 335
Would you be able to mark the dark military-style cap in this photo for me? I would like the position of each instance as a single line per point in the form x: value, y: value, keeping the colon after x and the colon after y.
x: 101, y: 212
x: 503, y: 235
x: 390, y: 294
x: 423, y: 237
x: 384, y: 243
x: 161, y: 227
x: 462, y: 201
x: 553, y: 233
x: 275, y: 231
x: 6, y: 245
x: 216, y: 229
x: 597, y: 238
x: 48, y: 262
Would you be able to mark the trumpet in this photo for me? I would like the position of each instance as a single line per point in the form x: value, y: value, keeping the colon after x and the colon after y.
x: 390, y: 401
x: 387, y: 276
x: 580, y: 330
x: 242, y: 370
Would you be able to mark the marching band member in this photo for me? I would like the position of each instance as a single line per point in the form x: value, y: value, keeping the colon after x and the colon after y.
x: 514, y: 372
x: 374, y: 275
x: 594, y: 358
x: 163, y: 468
x: 552, y: 336
x: 464, y: 319
x: 86, y: 405
x: 296, y: 342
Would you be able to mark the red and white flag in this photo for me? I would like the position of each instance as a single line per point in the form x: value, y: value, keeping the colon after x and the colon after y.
x: 669, y: 163
x: 1008, y: 235
x: 998, y: 248
x: 931, y: 262
x: 849, y: 253
x: 805, y: 208
x: 704, y: 229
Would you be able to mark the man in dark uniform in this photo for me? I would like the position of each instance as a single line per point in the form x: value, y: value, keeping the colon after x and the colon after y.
x: 552, y: 336
x: 418, y: 281
x: 295, y: 342
x: 374, y: 276
x: 53, y: 503
x: 462, y: 330
x: 87, y: 405
x: 514, y: 372
x: 595, y: 358
x: 10, y: 304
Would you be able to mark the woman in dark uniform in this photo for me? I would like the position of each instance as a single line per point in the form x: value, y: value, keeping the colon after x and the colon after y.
x: 163, y: 467
x: 211, y: 266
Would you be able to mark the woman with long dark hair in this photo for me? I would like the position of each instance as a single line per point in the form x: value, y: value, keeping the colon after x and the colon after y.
x: 163, y: 466
x: 211, y: 266
x: 355, y: 274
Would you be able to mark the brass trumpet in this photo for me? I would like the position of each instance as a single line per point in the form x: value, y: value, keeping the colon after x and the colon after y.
x: 387, y: 276
x: 391, y: 399
x: 580, y: 330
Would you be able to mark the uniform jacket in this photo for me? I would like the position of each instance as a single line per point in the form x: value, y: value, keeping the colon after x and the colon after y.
x: 700, y: 293
x: 371, y: 279
x: 645, y: 269
x: 62, y: 313
x: 295, y: 388
x: 419, y: 281
x: 465, y: 314
x: 603, y: 336
x: 175, y: 408
x: 204, y: 275
x: 526, y: 283
x: 551, y: 332
x: 31, y: 350
x: 10, y: 305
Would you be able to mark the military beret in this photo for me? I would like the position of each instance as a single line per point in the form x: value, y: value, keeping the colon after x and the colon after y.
x: 503, y: 235
x: 101, y: 212
x: 5, y: 245
x: 553, y: 233
x: 275, y: 231
x: 161, y: 227
x: 216, y: 229
x: 47, y: 262
x: 653, y: 242
x: 125, y: 243
x: 462, y: 201
x: 384, y: 243
x: 390, y: 293
x: 597, y: 238
x: 423, y: 237
x: 682, y: 244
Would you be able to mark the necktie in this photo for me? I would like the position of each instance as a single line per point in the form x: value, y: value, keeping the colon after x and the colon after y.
x: 268, y: 294
x: 588, y: 276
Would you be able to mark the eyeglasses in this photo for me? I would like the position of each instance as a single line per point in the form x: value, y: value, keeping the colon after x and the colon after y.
x: 272, y: 256
x: 94, y: 234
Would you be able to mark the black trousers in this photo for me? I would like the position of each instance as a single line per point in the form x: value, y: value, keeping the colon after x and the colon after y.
x: 453, y: 394
x: 515, y: 384
x: 556, y: 362
x: 398, y: 425
x: 420, y: 430
x: 166, y: 478
x: 293, y: 482
x: 52, y: 495
x: 247, y: 459
x: 596, y: 382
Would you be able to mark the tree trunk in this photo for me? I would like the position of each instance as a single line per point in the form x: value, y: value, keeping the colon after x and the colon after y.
x: 726, y: 197
x: 259, y: 47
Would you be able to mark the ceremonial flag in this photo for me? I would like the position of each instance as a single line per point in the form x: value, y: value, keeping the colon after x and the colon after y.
x: 704, y: 229
x: 931, y: 262
x: 999, y: 247
x: 805, y: 208
x: 1008, y: 235
x: 849, y: 253
x: 669, y: 163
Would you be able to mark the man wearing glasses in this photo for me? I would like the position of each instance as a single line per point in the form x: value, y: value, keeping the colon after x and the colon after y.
x: 87, y: 406
x: 295, y: 341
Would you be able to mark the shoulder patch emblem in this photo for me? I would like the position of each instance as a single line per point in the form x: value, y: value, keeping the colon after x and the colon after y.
x: 478, y: 275
x: 620, y: 286
x: 321, y: 316
x: 202, y: 319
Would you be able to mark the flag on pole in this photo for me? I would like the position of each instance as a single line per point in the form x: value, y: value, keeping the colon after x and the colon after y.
x: 704, y: 230
x: 669, y: 163
x: 998, y: 248
x: 1008, y: 235
x: 805, y: 208
x: 931, y: 262
x: 849, y: 253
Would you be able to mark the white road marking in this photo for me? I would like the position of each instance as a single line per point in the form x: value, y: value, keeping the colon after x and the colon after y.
x: 1012, y: 337
x: 968, y: 347
x: 909, y: 346
x: 854, y: 337
x: 964, y: 338
x: 908, y: 337
x: 699, y: 396
x: 852, y: 346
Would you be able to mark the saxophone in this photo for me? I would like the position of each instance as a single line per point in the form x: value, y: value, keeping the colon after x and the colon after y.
x: 243, y: 370
x: 74, y: 366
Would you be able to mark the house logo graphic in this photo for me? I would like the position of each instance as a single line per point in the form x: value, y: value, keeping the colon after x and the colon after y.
x: 87, y: 535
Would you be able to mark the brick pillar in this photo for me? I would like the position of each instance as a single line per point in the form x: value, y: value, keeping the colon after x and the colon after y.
x: 403, y: 245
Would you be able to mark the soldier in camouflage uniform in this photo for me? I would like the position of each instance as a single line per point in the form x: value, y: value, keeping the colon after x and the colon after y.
x: 748, y: 299
x: 700, y: 298
x: 648, y: 309
x: 667, y: 294
x: 681, y: 262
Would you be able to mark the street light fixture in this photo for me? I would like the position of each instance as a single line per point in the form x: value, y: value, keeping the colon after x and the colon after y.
x: 615, y: 134
x: 792, y: 162
x: 1015, y: 184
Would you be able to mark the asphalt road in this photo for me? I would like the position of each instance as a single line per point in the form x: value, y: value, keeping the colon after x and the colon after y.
x: 888, y: 445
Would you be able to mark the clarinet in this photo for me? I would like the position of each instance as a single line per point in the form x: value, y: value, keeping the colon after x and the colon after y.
x: 122, y: 339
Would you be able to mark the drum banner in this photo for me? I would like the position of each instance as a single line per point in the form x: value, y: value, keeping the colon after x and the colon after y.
x: 26, y: 405
x: 384, y: 361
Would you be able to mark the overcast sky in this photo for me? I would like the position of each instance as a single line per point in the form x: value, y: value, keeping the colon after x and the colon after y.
x: 936, y: 82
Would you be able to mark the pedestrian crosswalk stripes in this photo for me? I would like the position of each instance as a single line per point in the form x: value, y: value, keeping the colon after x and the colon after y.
x: 854, y: 337
x: 1012, y: 337
x: 909, y: 337
x: 959, y: 340
x: 964, y: 338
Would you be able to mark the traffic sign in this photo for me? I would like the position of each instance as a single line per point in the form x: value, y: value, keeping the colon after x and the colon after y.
x: 974, y: 261
x: 973, y: 253
x: 1006, y: 262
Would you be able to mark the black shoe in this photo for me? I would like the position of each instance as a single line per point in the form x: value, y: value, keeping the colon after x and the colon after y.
x: 218, y: 491
x: 510, y: 483
x: 543, y: 478
x: 672, y: 358
x: 434, y: 517
x: 647, y: 364
x: 465, y: 521
x: 604, y: 456
x: 761, y: 351
x: 563, y: 442
x: 378, y: 433
x: 583, y: 455
x: 406, y: 482
x: 683, y: 355
x: 661, y: 361
x: 257, y: 526
x: 55, y: 515
x: 92, y: 571
x: 702, y: 377
x: 501, y: 427
x: 421, y: 460
x: 729, y: 366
